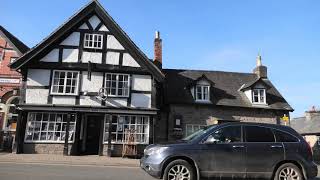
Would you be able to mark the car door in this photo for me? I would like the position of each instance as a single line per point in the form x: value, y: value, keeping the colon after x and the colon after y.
x: 262, y: 151
x: 223, y: 153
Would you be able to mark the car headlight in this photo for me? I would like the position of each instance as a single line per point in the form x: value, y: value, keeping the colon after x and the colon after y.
x: 154, y: 150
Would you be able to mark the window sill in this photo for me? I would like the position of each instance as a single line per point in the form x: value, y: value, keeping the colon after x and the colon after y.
x: 53, y: 94
x: 259, y: 104
x: 203, y: 101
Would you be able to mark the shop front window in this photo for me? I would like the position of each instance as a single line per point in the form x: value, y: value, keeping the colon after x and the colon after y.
x: 49, y: 127
x: 138, y: 124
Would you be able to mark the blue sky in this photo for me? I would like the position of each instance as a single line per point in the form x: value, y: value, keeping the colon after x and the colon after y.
x: 221, y: 35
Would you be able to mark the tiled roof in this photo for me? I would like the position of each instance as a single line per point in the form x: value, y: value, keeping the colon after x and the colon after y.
x: 306, y: 126
x: 21, y: 47
x: 225, y: 91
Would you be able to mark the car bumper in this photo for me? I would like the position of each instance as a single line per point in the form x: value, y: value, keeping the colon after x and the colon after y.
x: 152, y: 168
x: 311, y: 170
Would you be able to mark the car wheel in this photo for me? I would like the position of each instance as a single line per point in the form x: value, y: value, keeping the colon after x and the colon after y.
x: 179, y: 170
x: 288, y: 171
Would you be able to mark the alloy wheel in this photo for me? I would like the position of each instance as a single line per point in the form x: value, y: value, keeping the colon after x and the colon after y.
x: 179, y: 172
x: 289, y: 173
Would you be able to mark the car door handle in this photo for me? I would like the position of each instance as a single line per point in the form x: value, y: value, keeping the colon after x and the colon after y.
x: 238, y: 146
x: 276, y: 146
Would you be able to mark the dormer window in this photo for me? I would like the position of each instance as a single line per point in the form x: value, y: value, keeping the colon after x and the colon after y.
x: 93, y: 41
x: 259, y: 96
x: 202, y: 93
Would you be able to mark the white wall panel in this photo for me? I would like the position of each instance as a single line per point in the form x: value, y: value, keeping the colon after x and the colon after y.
x: 113, y: 43
x: 141, y: 100
x: 69, y: 100
x: 84, y: 26
x: 248, y: 93
x: 95, y: 84
x: 38, y: 77
x: 70, y: 55
x: 94, y: 57
x: 116, y: 102
x: 37, y: 96
x: 52, y: 56
x: 141, y: 82
x: 89, y: 101
x: 129, y: 61
x: 72, y: 40
x: 94, y: 21
x: 112, y: 58
x: 103, y: 28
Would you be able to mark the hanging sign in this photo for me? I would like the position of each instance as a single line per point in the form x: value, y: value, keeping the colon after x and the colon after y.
x: 285, y: 118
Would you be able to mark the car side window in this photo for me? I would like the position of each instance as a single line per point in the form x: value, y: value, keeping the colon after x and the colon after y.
x: 258, y: 134
x: 284, y: 137
x: 228, y: 134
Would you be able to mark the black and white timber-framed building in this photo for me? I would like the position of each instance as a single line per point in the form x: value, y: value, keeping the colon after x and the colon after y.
x: 63, y: 78
x: 87, y: 82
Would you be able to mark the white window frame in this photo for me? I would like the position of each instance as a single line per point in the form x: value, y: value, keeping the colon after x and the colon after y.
x: 47, y: 131
x: 259, y: 96
x: 199, y: 126
x: 65, y: 83
x: 202, y: 99
x: 106, y: 128
x: 108, y: 92
x: 87, y: 41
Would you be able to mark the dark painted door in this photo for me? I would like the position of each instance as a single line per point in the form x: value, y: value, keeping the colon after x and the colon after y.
x: 263, y: 152
x: 223, y: 153
x: 93, y: 134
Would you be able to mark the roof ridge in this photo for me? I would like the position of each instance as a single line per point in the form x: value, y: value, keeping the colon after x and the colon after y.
x: 200, y: 70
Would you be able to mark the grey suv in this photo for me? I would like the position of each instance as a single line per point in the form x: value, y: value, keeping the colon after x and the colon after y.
x: 233, y: 150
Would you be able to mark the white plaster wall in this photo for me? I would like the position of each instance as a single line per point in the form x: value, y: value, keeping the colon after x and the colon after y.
x: 248, y: 93
x: 89, y: 101
x: 141, y: 100
x: 95, y: 84
x: 94, y: 21
x: 116, y: 102
x: 113, y: 43
x: 69, y: 100
x: 38, y: 77
x: 94, y: 57
x: 37, y: 96
x: 52, y: 56
x: 73, y: 39
x: 70, y: 55
x: 141, y: 82
x: 103, y: 28
x: 84, y: 26
x: 112, y: 58
x: 129, y: 61
x: 192, y: 91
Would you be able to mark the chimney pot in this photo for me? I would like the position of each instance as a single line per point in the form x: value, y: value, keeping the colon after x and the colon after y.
x: 260, y: 70
x: 158, y: 50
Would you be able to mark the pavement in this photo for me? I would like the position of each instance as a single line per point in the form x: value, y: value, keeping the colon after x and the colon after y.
x: 92, y: 160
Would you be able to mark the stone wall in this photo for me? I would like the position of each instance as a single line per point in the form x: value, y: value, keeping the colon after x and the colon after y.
x: 200, y: 114
x: 44, y: 148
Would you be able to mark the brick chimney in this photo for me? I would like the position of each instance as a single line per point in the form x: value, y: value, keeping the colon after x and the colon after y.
x: 158, y: 50
x: 260, y: 70
x: 312, y: 113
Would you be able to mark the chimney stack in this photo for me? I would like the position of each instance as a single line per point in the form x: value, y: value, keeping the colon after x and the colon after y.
x: 158, y: 50
x: 260, y: 70
x: 313, y: 113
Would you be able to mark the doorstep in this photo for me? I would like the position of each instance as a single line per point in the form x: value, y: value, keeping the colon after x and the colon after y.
x: 71, y: 160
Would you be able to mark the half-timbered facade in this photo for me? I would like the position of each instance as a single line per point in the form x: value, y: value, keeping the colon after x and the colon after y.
x: 83, y: 86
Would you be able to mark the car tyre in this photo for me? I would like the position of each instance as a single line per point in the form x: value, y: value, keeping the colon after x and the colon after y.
x: 288, y: 171
x: 179, y: 169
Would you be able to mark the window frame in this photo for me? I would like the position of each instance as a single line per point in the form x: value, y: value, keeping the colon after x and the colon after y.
x: 117, y: 85
x: 106, y: 124
x: 192, y: 125
x: 276, y: 139
x: 47, y: 128
x: 202, y: 93
x: 76, y: 93
x: 259, y: 95
x: 93, y: 40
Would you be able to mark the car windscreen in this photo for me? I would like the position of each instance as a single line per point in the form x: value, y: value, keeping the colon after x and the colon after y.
x: 198, y: 133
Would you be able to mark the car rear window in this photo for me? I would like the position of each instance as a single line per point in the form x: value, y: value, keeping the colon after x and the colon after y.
x: 258, y: 134
x: 284, y: 137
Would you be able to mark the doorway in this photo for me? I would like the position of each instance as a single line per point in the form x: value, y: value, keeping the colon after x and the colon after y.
x: 94, y: 123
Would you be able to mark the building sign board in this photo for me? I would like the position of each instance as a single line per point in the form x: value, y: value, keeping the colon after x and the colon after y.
x: 9, y: 81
